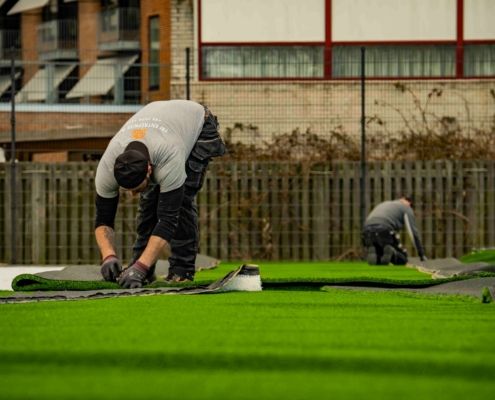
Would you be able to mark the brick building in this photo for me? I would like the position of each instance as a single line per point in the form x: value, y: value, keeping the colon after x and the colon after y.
x: 81, y: 68
x: 273, y: 67
x: 266, y: 67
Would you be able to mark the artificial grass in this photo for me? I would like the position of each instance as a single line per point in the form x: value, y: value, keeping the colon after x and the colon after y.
x: 487, y: 256
x: 30, y: 282
x: 265, y: 345
x: 272, y: 273
x: 294, y: 274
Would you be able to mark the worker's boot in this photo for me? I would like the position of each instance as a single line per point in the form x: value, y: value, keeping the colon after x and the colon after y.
x: 372, y: 257
x: 388, y: 255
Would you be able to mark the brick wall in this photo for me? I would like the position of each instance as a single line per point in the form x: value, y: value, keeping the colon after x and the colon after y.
x: 29, y: 38
x: 160, y: 8
x: 260, y: 110
x: 182, y: 12
x: 36, y: 126
x: 273, y: 108
x: 88, y: 24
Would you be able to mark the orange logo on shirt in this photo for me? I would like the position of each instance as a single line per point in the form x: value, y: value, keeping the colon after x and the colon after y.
x: 138, y: 133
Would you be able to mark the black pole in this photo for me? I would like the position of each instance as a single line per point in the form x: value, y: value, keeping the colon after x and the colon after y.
x: 13, y: 199
x: 363, y: 139
x: 188, y: 73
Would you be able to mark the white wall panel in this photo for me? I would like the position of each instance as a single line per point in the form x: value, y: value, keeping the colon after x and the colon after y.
x: 262, y: 20
x: 479, y: 19
x: 387, y: 20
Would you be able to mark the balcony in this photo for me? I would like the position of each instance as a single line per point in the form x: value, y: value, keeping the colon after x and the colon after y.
x: 10, y: 45
x: 119, y: 29
x: 57, y: 40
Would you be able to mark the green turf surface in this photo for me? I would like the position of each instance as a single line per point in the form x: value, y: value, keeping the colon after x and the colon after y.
x: 280, y: 274
x: 292, y: 270
x: 487, y: 256
x: 271, y: 272
x: 265, y: 345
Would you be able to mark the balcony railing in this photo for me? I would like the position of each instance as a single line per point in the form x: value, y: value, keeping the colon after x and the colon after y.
x: 119, y: 29
x: 10, y: 44
x: 58, y: 39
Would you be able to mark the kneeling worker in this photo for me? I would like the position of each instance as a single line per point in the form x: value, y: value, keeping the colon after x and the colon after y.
x: 381, y: 232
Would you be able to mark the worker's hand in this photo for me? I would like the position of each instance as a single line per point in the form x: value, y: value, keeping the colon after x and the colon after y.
x: 134, y: 276
x: 111, y: 267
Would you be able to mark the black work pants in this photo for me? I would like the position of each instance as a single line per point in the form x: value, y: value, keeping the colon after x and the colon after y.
x: 184, y: 244
x: 380, y: 236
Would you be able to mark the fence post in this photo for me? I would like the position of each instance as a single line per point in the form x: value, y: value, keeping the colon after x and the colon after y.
x: 13, y: 203
x: 38, y: 176
x: 363, y: 139
x: 188, y: 73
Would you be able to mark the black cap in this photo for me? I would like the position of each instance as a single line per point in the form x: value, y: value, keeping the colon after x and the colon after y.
x: 131, y: 167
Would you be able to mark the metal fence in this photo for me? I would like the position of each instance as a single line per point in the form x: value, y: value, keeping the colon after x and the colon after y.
x: 412, y: 105
x: 299, y: 145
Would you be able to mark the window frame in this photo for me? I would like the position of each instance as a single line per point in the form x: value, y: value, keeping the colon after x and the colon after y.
x: 459, y: 42
x: 153, y: 67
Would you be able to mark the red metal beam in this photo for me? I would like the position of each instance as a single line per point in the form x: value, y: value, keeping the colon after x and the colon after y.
x: 328, y: 40
x: 459, y: 54
x: 200, y: 52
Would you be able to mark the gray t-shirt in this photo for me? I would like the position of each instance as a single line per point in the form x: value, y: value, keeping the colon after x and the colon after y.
x: 169, y: 129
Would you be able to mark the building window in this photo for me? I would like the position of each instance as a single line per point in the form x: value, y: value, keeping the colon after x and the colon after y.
x: 394, y: 61
x: 262, y: 62
x: 479, y: 60
x: 154, y: 52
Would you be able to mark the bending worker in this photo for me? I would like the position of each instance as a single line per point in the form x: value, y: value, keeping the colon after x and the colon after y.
x: 381, y: 232
x: 162, y: 153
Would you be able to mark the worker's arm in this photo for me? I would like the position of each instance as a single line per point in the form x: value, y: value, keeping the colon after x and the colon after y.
x: 106, y: 208
x: 156, y: 246
x: 168, y: 211
x: 411, y: 225
x: 105, y: 237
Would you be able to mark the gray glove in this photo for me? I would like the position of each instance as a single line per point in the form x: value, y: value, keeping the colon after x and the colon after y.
x: 111, y: 267
x: 134, y: 276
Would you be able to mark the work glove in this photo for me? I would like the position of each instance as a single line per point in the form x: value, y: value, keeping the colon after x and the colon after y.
x: 151, y: 276
x: 134, y: 276
x: 111, y: 267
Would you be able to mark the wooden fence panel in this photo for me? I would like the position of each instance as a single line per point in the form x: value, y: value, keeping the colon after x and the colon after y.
x: 448, y: 209
x: 257, y: 210
x: 336, y: 216
x: 461, y: 220
x: 51, y: 218
x: 490, y: 204
x: 63, y: 217
x: 304, y: 225
x: 4, y: 220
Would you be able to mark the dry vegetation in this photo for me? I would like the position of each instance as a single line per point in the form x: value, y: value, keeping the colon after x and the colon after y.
x: 423, y: 135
